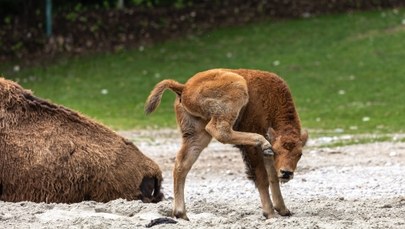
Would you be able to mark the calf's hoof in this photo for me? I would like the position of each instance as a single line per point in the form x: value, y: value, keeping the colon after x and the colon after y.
x: 284, y: 212
x: 268, y: 152
x: 180, y: 215
x: 269, y: 215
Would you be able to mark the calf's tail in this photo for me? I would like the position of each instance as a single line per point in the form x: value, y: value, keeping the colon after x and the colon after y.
x: 155, y: 96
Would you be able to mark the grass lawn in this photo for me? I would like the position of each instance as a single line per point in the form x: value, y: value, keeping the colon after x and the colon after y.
x: 346, y: 72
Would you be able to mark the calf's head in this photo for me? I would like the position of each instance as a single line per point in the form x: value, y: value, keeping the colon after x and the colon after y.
x: 287, y: 152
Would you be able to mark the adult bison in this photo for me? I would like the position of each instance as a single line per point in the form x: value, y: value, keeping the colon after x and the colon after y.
x: 240, y: 107
x: 49, y: 153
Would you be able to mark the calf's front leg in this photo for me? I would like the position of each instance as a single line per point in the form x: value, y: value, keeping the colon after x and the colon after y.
x: 254, y: 160
x: 275, y: 187
x: 262, y: 185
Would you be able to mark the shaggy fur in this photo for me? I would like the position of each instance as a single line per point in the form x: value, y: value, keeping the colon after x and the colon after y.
x: 49, y: 153
x: 247, y: 108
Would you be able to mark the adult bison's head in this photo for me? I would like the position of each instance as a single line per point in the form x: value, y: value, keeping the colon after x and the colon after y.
x: 287, y: 152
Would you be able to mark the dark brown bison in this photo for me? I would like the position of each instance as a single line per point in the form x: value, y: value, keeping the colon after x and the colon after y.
x: 49, y: 153
x: 248, y: 108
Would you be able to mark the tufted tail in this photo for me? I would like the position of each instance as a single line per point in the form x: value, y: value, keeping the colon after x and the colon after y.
x: 155, y: 96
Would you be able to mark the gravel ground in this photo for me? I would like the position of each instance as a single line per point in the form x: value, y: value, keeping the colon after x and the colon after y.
x: 357, y: 186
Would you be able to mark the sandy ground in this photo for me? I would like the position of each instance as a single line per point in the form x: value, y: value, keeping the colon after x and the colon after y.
x: 358, y: 186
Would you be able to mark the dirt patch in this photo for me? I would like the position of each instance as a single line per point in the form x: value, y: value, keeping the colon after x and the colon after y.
x: 358, y: 186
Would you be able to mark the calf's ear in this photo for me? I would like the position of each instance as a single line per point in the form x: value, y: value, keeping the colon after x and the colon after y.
x: 304, y: 137
x: 271, y: 135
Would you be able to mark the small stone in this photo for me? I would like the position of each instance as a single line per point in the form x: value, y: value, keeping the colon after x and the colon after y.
x: 393, y: 154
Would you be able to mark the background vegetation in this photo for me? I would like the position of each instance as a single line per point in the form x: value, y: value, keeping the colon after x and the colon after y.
x: 346, y: 71
x: 83, y: 26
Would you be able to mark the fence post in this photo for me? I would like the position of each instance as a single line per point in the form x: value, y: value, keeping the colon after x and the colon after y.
x: 48, y: 17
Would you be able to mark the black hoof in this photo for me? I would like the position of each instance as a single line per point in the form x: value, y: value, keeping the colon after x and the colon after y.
x: 268, y: 152
x: 284, y: 212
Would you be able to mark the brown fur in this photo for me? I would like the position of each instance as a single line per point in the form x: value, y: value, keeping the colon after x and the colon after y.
x: 49, y: 153
x: 247, y: 108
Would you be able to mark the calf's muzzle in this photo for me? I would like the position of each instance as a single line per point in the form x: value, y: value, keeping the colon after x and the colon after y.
x: 286, y: 174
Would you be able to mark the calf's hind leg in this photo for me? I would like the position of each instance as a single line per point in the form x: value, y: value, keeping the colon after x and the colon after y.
x: 220, y: 127
x: 195, y: 139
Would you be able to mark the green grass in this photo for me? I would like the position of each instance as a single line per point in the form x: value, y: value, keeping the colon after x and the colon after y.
x: 358, y: 139
x: 360, y: 55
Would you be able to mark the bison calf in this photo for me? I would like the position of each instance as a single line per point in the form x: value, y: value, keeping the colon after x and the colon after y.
x: 49, y: 153
x: 251, y: 109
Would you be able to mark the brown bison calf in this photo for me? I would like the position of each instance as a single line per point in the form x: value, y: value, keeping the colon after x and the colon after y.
x: 51, y: 154
x: 240, y: 107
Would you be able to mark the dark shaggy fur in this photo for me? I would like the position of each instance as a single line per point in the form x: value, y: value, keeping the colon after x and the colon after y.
x: 49, y: 153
